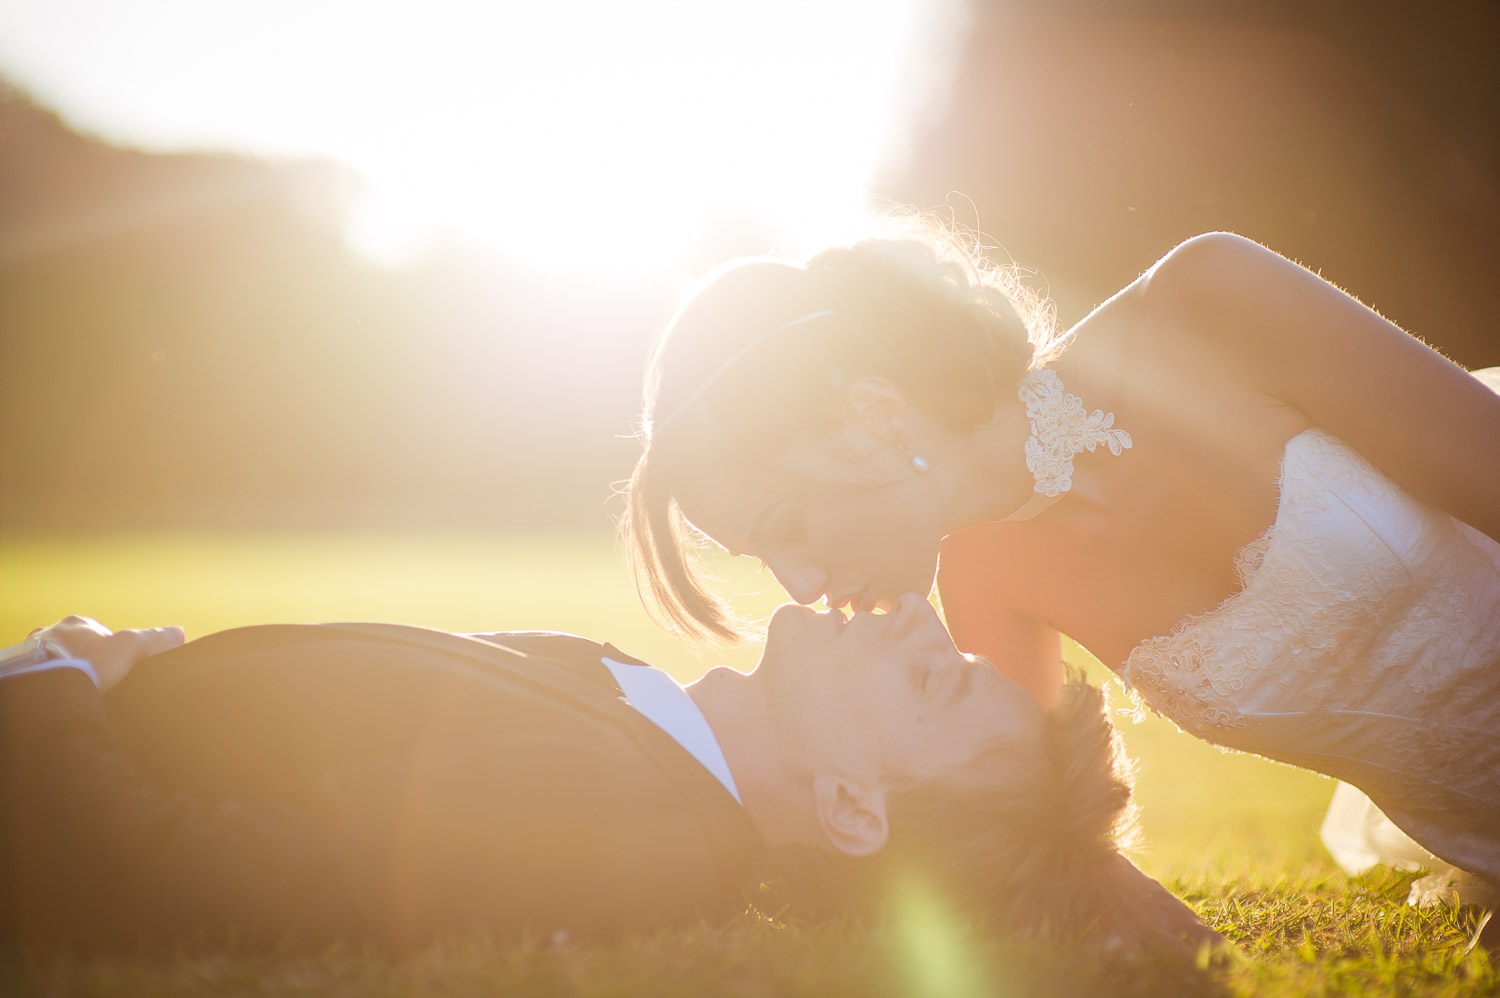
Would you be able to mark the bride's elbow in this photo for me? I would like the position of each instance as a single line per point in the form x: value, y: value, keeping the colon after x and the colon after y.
x: 1216, y: 279
x: 1206, y: 258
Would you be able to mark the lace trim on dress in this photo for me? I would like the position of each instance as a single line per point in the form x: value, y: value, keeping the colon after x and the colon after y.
x: 1305, y: 602
x: 1061, y: 428
x: 1186, y: 676
x: 1181, y: 674
x: 1176, y: 674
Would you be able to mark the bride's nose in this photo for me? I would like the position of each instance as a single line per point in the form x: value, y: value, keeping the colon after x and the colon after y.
x: 804, y: 582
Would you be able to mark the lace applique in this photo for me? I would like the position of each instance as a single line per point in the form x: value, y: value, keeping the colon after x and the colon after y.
x: 1060, y: 428
x: 1182, y: 679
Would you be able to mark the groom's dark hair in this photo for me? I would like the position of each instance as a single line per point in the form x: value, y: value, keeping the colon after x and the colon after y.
x: 1026, y: 835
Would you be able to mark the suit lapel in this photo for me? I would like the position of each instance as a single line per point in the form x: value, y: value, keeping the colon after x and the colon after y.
x: 592, y: 689
x: 573, y: 673
x: 732, y: 838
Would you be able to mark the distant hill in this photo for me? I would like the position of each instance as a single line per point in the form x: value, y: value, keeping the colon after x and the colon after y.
x: 186, y: 339
x: 66, y: 191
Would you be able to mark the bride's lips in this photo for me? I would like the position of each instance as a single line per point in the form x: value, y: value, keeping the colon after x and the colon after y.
x: 855, y: 600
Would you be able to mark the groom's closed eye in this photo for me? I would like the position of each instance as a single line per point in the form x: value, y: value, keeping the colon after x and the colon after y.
x: 959, y: 687
x: 947, y: 685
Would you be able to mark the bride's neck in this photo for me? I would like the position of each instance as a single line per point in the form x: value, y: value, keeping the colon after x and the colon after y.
x: 992, y: 480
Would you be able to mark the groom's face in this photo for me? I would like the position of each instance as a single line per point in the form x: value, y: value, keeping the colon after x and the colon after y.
x: 883, y: 696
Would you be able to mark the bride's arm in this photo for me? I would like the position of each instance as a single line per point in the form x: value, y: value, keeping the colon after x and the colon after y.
x: 1418, y: 417
x: 982, y: 621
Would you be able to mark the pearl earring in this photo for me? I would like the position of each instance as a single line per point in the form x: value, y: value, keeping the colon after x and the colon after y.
x: 918, y: 462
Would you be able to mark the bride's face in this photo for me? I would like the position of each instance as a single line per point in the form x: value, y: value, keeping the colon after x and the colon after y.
x: 853, y: 532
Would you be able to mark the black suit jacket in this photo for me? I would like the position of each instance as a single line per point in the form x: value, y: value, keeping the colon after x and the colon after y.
x: 365, y: 781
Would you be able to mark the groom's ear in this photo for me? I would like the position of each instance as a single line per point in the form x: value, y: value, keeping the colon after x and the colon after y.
x: 851, y: 814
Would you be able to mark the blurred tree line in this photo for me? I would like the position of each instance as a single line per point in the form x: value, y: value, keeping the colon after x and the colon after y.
x: 1359, y: 137
x: 186, y: 340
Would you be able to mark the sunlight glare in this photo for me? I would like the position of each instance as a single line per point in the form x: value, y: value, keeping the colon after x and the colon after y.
x: 937, y: 947
x: 603, y: 134
x: 623, y: 143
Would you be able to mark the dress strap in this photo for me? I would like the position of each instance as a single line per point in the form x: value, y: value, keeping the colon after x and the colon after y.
x: 1032, y: 507
x: 1060, y: 429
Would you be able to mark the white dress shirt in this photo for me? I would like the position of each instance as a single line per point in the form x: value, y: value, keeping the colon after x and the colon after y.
x: 86, y: 668
x: 664, y: 703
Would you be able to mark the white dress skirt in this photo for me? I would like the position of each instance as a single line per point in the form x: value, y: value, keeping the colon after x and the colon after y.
x: 1360, y: 837
x: 1364, y: 643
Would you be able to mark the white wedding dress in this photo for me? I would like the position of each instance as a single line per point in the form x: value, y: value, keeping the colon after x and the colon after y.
x: 1364, y: 643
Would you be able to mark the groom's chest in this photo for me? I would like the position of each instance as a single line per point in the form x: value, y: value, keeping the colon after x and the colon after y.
x: 271, y: 722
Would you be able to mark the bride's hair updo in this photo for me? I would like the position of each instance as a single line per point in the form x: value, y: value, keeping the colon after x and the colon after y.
x: 759, y: 352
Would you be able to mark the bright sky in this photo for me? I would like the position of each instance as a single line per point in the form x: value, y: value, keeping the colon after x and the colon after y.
x: 605, y: 129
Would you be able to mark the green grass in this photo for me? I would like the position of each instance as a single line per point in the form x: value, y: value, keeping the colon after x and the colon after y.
x: 1234, y: 835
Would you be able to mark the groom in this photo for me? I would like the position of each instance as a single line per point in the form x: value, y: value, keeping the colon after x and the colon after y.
x: 391, y: 783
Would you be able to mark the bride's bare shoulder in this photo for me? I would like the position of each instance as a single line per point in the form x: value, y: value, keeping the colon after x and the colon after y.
x: 1221, y: 311
x: 1178, y: 305
x: 1171, y: 288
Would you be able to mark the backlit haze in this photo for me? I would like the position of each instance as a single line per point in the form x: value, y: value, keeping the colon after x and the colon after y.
x: 529, y: 187
x: 602, y: 135
x: 192, y: 346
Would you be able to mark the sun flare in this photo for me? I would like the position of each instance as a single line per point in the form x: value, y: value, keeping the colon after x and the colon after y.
x: 589, y: 133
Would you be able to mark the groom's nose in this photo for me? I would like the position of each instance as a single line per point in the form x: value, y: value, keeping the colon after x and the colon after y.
x: 906, y: 614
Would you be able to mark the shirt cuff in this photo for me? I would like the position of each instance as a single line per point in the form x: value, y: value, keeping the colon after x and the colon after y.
x: 86, y: 668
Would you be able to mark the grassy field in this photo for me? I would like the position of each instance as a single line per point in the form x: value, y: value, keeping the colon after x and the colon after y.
x: 1234, y: 835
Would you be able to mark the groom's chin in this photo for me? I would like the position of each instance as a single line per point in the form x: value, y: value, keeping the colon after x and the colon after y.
x: 720, y: 677
x: 789, y: 615
x: 782, y: 630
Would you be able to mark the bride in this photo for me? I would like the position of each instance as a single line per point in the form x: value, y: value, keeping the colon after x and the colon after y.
x: 1270, y: 511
